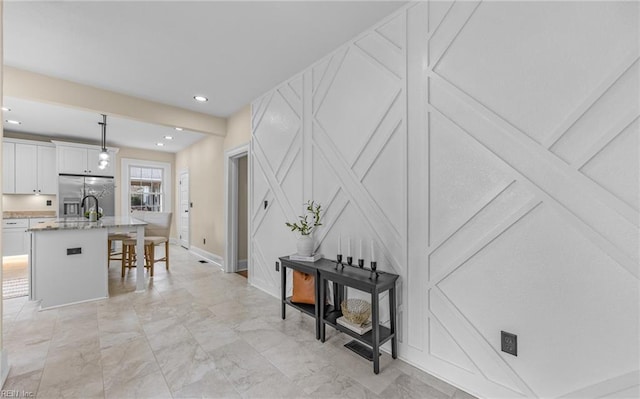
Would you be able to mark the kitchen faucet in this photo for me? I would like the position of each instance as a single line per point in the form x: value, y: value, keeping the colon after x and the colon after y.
x: 96, y: 201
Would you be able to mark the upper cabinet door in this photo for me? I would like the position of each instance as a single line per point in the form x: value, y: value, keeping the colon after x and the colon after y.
x: 8, y: 168
x: 72, y: 160
x: 26, y: 169
x: 47, y: 176
x: 92, y: 161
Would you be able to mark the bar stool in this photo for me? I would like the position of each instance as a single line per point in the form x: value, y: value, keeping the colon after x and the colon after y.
x: 114, y: 237
x: 156, y: 233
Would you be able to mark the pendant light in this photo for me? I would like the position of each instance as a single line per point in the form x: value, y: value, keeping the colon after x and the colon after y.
x: 103, y: 157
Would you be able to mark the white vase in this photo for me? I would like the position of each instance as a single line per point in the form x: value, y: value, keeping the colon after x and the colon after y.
x: 305, y: 245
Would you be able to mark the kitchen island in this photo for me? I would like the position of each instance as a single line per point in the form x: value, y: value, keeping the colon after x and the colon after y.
x: 68, y: 259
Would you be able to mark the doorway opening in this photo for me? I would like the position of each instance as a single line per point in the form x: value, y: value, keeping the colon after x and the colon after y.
x: 241, y: 216
x: 183, y: 210
x: 237, y: 211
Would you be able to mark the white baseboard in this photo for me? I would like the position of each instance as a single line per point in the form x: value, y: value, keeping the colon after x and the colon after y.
x: 261, y: 288
x: 242, y: 265
x: 4, y: 367
x: 213, y: 258
x: 74, y: 303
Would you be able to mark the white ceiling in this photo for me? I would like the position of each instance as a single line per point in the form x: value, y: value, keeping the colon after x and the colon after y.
x: 69, y: 124
x: 169, y: 51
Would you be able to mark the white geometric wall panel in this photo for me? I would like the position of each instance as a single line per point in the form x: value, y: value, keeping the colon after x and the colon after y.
x: 276, y: 179
x: 491, y: 151
x: 533, y: 135
x: 531, y: 89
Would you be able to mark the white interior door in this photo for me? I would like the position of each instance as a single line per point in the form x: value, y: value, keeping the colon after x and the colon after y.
x: 184, y: 210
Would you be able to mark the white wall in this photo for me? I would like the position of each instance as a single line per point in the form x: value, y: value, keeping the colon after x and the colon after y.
x: 205, y: 163
x: 491, y: 152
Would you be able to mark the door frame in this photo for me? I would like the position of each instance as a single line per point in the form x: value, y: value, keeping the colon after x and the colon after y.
x: 231, y: 157
x: 180, y: 174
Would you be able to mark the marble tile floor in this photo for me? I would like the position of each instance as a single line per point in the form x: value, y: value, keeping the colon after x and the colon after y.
x: 197, y: 332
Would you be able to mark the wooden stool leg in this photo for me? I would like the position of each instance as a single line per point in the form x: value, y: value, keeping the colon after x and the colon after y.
x: 152, y: 256
x: 124, y: 257
x: 147, y: 257
x: 166, y: 253
x: 108, y: 253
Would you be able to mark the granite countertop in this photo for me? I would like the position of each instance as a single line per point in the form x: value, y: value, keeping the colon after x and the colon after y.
x: 28, y: 214
x: 85, y: 224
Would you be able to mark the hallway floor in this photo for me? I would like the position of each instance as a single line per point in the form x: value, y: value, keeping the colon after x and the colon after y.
x: 196, y: 332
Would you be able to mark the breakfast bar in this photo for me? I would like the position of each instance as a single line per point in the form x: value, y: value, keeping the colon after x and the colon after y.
x: 69, y: 259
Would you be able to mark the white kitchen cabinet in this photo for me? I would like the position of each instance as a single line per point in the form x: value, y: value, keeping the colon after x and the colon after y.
x: 8, y: 168
x: 26, y: 166
x: 47, y: 176
x: 72, y: 160
x: 83, y: 160
x: 15, y: 239
x: 35, y: 169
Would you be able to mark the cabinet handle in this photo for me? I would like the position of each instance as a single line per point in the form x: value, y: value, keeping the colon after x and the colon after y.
x: 12, y: 223
x: 34, y: 191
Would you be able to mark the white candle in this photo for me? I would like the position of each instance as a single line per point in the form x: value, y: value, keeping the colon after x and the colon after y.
x: 348, y: 246
x: 373, y: 253
x: 360, y: 257
x: 340, y: 244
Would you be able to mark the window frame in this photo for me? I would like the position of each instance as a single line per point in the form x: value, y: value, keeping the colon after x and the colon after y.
x: 167, y: 193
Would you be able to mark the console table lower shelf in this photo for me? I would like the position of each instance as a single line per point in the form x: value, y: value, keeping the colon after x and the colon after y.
x: 303, y: 307
x: 365, y: 350
x: 367, y: 338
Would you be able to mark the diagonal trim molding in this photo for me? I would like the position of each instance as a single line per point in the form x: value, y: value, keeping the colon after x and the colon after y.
x: 559, y: 181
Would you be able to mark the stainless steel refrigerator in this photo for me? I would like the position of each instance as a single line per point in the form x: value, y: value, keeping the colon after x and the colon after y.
x: 72, y: 188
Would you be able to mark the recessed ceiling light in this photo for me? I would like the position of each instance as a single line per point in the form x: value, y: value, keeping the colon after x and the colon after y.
x: 179, y: 129
x: 6, y: 109
x: 11, y: 121
x: 201, y: 99
x: 159, y: 144
x: 168, y: 137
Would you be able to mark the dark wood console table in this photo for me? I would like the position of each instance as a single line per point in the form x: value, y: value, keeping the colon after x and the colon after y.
x: 325, y: 271
x: 359, y: 279
x: 304, y: 267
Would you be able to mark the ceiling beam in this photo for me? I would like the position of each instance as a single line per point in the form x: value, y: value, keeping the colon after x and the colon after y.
x: 36, y: 87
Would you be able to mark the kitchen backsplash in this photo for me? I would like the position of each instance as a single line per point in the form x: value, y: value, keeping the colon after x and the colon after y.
x: 28, y: 202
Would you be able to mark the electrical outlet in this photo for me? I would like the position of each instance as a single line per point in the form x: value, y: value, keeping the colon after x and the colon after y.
x: 48, y: 202
x: 509, y: 343
x: 277, y: 266
x: 204, y: 240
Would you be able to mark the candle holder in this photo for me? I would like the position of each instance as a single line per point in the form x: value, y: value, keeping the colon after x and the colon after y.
x: 374, y: 266
x: 361, y: 263
x: 349, y: 260
x: 339, y: 261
